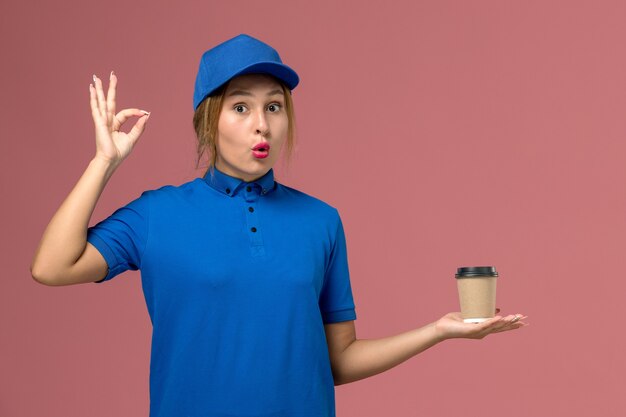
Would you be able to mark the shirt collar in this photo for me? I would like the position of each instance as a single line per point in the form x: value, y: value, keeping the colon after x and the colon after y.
x: 230, y: 185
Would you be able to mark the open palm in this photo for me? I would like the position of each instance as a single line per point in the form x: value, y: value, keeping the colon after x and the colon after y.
x: 452, y: 326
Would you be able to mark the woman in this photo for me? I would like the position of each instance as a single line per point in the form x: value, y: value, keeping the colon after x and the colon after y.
x: 246, y: 280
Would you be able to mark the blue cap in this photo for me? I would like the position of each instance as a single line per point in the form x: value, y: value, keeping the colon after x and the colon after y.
x: 240, y: 55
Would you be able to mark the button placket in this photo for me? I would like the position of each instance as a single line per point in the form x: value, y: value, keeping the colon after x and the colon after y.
x: 253, y: 228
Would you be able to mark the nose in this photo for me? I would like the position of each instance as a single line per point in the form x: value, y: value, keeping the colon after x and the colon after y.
x: 262, y: 127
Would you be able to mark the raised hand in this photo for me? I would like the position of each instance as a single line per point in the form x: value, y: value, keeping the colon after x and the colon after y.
x: 111, y: 144
x: 452, y: 326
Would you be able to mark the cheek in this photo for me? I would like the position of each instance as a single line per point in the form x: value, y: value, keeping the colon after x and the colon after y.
x: 227, y: 129
x: 282, y: 125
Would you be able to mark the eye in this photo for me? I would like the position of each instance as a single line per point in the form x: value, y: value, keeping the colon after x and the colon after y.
x: 274, y: 107
x: 239, y: 106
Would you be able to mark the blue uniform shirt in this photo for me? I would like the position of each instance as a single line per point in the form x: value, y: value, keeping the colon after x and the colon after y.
x: 239, y: 279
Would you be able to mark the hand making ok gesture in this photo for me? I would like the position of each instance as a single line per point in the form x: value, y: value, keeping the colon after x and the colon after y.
x: 112, y: 144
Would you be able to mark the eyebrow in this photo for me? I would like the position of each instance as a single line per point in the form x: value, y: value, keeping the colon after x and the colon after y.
x: 245, y: 93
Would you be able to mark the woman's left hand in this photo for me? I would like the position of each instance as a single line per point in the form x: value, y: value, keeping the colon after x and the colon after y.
x: 452, y: 326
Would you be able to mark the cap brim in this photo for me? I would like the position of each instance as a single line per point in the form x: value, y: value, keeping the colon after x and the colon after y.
x: 280, y: 71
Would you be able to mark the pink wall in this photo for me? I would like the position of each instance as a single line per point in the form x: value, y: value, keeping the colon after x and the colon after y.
x: 447, y: 133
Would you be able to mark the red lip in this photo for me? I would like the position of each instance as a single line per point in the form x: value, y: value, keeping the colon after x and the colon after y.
x: 263, y: 145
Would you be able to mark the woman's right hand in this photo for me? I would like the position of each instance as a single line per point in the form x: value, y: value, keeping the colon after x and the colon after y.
x: 112, y: 145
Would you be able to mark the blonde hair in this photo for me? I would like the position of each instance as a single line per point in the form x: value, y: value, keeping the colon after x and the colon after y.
x: 206, y: 118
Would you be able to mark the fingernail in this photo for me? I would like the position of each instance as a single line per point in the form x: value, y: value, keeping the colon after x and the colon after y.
x: 144, y: 112
x: 94, y: 78
x: 111, y: 75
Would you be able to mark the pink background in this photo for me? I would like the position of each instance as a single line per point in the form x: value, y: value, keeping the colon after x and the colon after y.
x: 447, y: 133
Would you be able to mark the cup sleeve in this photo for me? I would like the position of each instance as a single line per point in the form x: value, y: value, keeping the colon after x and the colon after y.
x: 121, y: 238
x: 336, y: 300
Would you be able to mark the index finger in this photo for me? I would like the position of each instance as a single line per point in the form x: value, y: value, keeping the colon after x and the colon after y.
x: 124, y: 115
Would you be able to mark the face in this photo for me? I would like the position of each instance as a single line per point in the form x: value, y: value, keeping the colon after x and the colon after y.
x: 253, y: 111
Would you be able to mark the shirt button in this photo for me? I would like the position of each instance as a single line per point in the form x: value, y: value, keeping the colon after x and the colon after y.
x: 250, y: 209
x: 248, y: 188
x: 253, y: 229
x: 228, y: 191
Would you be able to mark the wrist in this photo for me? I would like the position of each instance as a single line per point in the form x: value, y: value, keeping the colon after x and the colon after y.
x: 103, y: 164
x: 440, y: 334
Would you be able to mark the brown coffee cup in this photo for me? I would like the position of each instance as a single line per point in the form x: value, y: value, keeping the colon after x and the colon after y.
x: 477, y: 292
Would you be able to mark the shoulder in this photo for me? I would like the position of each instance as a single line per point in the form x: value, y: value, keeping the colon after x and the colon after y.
x: 170, y: 191
x: 301, y: 197
x: 167, y: 198
x: 309, y: 203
